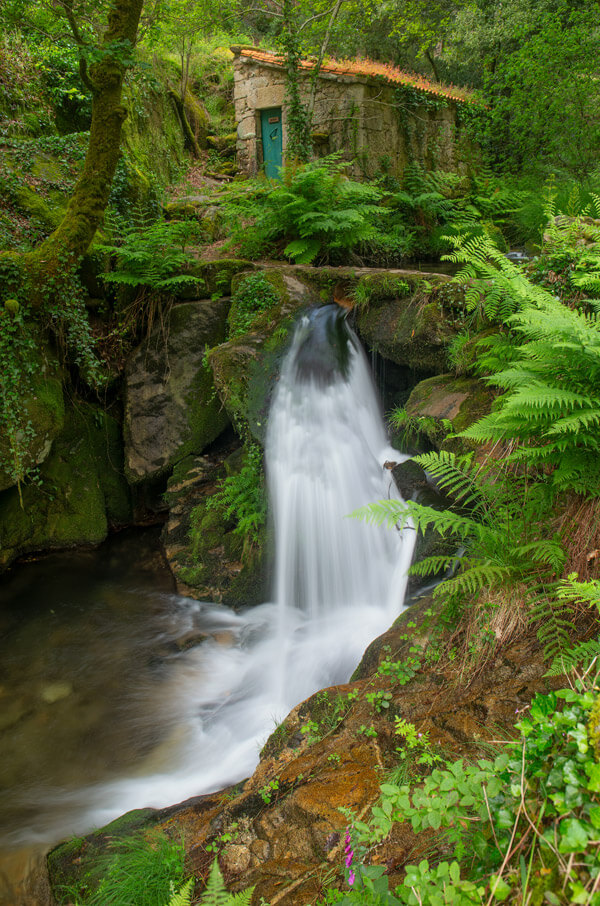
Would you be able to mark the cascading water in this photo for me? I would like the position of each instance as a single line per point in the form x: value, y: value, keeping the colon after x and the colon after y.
x: 338, y: 583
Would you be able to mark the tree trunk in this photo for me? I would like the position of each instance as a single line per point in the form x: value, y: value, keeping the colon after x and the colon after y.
x: 87, y: 205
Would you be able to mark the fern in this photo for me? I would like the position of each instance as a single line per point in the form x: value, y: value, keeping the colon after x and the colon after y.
x: 580, y: 656
x: 571, y: 592
x: 184, y: 896
x: 497, y: 519
x: 152, y: 255
x: 552, y: 401
x: 216, y: 893
x: 315, y: 209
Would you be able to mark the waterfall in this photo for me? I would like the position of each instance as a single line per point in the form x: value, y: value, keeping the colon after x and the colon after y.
x: 338, y: 583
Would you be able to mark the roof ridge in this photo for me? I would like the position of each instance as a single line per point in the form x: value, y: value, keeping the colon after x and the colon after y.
x: 370, y: 69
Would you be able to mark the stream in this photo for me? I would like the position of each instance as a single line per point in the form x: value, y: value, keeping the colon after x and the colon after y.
x: 116, y: 693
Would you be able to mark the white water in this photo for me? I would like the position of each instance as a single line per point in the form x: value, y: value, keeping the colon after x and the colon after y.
x: 338, y: 584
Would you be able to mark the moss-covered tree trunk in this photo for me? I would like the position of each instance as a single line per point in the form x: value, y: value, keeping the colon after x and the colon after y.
x: 90, y: 197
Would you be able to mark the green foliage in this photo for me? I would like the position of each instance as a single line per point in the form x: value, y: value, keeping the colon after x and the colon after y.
x: 498, y: 519
x: 152, y: 256
x: 538, y: 59
x: 573, y: 593
x: 551, y: 404
x: 18, y: 365
x: 62, y: 315
x: 412, y: 429
x: 144, y: 869
x: 216, y: 893
x: 242, y: 498
x: 315, y: 209
x: 436, y: 205
x: 525, y: 821
x: 183, y: 897
x: 253, y: 296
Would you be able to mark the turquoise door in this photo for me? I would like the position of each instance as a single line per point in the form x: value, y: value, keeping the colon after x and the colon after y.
x: 272, y: 141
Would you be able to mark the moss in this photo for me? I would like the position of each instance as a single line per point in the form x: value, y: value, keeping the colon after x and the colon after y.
x: 411, y: 331
x: 70, y: 862
x: 45, y: 410
x: 218, y: 275
x: 33, y: 205
x: 80, y: 490
x: 198, y: 118
x: 208, y: 557
x: 459, y: 400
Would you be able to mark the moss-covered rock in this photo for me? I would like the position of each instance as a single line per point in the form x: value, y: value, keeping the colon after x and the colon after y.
x: 198, y: 118
x: 81, y: 491
x: 170, y: 406
x: 218, y: 275
x: 153, y: 139
x: 45, y: 410
x: 410, y: 330
x: 207, y: 558
x: 245, y: 368
x: 445, y: 405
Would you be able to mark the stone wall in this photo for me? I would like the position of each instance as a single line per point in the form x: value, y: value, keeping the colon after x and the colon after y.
x: 362, y: 117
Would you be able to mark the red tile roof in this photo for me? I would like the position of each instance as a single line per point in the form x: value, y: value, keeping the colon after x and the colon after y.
x: 371, y: 69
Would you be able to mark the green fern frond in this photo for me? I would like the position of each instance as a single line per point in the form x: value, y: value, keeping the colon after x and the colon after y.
x: 183, y: 897
x: 553, y: 625
x: 580, y: 656
x: 474, y: 576
x: 216, y: 893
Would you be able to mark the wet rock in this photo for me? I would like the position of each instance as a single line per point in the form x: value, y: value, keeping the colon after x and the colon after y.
x: 246, y: 368
x: 170, y: 409
x: 44, y: 408
x: 82, y: 490
x: 206, y: 557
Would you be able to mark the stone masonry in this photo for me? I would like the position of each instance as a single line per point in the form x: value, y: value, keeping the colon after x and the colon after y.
x: 366, y: 118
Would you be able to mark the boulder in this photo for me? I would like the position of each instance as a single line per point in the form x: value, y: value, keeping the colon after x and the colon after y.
x: 444, y: 405
x: 411, y: 324
x: 207, y: 558
x: 170, y: 406
x: 44, y: 409
x: 246, y: 368
x: 81, y: 490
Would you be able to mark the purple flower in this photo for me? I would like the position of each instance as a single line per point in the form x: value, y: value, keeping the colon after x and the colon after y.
x: 349, y: 857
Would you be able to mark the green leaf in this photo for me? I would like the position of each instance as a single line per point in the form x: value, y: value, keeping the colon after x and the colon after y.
x: 499, y: 889
x: 573, y: 836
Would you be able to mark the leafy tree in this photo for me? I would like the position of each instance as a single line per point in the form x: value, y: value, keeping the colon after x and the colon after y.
x: 537, y: 64
x: 105, y: 55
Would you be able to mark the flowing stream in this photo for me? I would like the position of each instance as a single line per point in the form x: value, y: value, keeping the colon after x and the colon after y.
x: 100, y: 709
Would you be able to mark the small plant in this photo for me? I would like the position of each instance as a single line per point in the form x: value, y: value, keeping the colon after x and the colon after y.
x: 223, y: 839
x: 266, y: 792
x: 370, y: 732
x: 380, y: 700
x: 253, y: 296
x: 145, y: 870
x: 242, y: 497
x: 401, y: 671
x: 312, y: 732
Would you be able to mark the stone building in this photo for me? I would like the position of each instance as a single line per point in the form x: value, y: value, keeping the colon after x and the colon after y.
x: 379, y: 117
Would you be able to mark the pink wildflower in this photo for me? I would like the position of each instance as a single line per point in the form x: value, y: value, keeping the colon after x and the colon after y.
x: 349, y: 857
